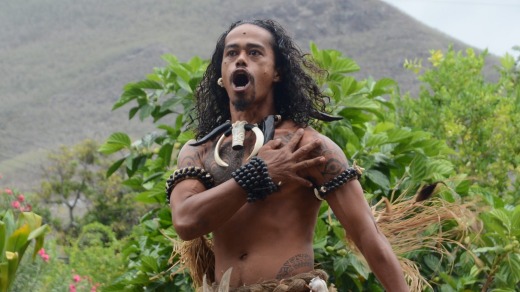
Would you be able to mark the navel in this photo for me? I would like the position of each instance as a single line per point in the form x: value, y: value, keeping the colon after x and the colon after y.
x: 243, y: 257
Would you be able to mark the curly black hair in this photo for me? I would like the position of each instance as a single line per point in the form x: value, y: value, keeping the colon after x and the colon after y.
x: 297, y: 97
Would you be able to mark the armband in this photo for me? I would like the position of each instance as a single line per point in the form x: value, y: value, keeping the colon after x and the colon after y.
x: 191, y: 172
x: 349, y: 174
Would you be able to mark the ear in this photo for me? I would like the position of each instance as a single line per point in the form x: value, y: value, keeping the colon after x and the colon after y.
x: 277, y: 76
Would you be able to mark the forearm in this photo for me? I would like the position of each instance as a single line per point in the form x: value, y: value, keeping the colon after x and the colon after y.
x: 196, y: 213
x: 384, y: 264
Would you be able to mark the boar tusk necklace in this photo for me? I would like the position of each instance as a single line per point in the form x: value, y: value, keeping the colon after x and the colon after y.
x: 238, y: 129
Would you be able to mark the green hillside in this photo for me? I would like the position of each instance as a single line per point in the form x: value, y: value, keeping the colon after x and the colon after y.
x: 63, y: 63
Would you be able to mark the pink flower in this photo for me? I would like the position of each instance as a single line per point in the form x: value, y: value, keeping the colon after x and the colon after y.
x: 8, y: 191
x: 15, y: 204
x: 76, y: 278
x: 21, y: 198
x: 28, y: 208
x: 45, y: 257
x: 72, y: 288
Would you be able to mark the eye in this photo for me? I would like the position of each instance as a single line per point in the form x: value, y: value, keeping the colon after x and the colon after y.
x: 231, y: 53
x: 255, y: 53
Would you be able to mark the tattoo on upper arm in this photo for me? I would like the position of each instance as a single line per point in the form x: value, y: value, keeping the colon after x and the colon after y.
x: 332, y: 167
x: 293, y: 264
x: 188, y: 160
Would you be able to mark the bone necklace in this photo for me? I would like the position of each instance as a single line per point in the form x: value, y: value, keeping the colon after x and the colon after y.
x: 238, y: 131
x: 263, y: 134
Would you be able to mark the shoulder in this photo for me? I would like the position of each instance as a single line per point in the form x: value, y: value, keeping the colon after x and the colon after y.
x: 335, y: 159
x: 190, y: 155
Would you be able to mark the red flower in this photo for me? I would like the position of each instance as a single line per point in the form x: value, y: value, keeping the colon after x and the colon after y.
x: 8, y: 191
x: 76, y: 278
x: 21, y: 198
x: 72, y: 288
x: 15, y: 204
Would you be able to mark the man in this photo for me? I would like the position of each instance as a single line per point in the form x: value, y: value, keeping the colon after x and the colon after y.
x: 261, y: 202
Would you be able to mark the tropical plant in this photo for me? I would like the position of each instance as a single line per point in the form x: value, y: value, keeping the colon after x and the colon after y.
x: 17, y: 231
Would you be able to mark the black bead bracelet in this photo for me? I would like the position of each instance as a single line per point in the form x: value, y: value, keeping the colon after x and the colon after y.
x: 349, y: 174
x: 185, y: 173
x: 254, y: 178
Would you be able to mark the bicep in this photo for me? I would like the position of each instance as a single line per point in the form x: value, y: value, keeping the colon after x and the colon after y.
x: 347, y: 201
x: 189, y: 156
x: 353, y: 212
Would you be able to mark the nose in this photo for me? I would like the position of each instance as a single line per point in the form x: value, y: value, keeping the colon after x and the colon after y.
x: 241, y: 59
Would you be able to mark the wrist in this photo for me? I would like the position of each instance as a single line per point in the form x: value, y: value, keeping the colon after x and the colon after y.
x: 254, y: 178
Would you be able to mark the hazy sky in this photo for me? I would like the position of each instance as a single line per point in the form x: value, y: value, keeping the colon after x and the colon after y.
x: 491, y: 24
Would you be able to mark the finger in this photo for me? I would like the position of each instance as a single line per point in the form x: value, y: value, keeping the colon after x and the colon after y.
x: 273, y: 144
x: 310, y: 163
x: 295, y: 139
x: 306, y: 149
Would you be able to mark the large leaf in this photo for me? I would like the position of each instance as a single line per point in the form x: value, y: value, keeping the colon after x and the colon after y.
x: 378, y: 178
x: 128, y: 95
x: 115, y: 142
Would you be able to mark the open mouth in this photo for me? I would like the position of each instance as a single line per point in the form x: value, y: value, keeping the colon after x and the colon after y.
x: 240, y: 79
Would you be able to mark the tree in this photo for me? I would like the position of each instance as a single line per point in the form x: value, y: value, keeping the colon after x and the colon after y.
x: 479, y: 119
x: 77, y: 174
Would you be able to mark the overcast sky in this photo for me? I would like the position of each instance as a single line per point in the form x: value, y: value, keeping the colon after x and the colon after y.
x: 491, y: 24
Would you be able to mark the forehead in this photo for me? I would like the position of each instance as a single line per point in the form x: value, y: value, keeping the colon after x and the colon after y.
x: 249, y: 33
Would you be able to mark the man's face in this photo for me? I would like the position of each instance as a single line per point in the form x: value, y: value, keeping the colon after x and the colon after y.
x: 248, y: 66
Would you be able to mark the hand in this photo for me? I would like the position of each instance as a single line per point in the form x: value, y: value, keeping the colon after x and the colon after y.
x: 285, y: 162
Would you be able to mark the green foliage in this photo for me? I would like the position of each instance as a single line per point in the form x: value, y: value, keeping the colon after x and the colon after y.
x: 479, y: 119
x: 96, y: 253
x: 395, y: 158
x: 77, y: 174
x: 499, y: 248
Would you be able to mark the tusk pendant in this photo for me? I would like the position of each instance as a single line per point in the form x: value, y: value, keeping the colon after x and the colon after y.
x: 259, y: 141
x: 219, y: 160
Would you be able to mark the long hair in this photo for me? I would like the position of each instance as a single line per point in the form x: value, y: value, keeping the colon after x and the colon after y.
x: 296, y: 97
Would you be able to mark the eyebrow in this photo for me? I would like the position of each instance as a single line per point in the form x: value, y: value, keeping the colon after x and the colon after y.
x: 248, y: 45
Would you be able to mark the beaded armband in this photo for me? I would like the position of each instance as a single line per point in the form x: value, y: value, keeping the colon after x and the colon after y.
x: 254, y: 178
x: 349, y: 174
x: 191, y: 172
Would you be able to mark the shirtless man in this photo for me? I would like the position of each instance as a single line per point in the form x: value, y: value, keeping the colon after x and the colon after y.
x: 267, y: 233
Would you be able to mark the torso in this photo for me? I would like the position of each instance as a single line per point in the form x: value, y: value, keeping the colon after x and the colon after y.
x: 269, y: 239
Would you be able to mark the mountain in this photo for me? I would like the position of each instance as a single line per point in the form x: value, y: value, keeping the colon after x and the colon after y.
x: 63, y: 62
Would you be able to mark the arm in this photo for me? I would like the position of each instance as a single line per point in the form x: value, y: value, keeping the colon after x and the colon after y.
x: 352, y: 210
x: 197, y: 211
